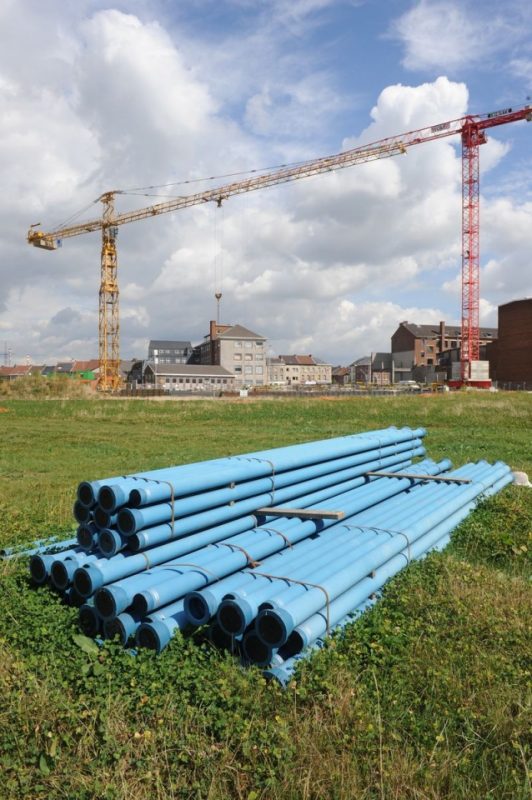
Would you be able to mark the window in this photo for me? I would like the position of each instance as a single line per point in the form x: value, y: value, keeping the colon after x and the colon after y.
x: 258, y: 370
x: 248, y: 370
x: 249, y: 357
x: 187, y: 380
x: 174, y: 380
x: 430, y: 361
x: 180, y: 380
x: 200, y: 380
x: 258, y: 357
x: 224, y: 380
x: 238, y: 344
x: 248, y: 345
x: 259, y: 344
x: 193, y: 380
x: 237, y: 357
x: 238, y: 370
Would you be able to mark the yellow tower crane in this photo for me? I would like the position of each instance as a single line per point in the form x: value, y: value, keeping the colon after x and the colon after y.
x: 108, y: 223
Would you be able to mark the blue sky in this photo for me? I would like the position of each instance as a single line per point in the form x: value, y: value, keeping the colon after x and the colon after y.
x: 143, y: 92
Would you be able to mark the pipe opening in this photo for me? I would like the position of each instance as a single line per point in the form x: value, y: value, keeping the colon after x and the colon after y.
x: 38, y: 569
x: 134, y: 498
x: 197, y: 609
x: 230, y: 618
x: 140, y: 605
x: 88, y: 621
x: 126, y: 522
x: 105, y: 603
x: 59, y: 575
x: 255, y: 650
x: 106, y: 542
x: 270, y: 629
x: 83, y: 582
x: 114, y: 628
x: 85, y: 537
x: 85, y: 494
x: 81, y: 512
x: 221, y: 639
x: 106, y: 498
x: 147, y: 637
x: 101, y: 517
x: 293, y: 645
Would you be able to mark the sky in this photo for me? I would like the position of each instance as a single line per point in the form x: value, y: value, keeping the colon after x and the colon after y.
x: 134, y: 94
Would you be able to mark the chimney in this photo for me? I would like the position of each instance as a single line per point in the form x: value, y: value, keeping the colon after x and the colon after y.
x: 442, y: 336
x: 213, y: 330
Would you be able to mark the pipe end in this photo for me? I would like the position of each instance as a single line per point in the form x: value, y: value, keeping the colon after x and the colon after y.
x: 153, y: 635
x: 274, y: 626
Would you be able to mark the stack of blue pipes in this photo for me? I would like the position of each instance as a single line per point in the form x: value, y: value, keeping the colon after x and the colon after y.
x: 213, y: 542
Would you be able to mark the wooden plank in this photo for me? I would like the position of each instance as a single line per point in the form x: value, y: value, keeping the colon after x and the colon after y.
x: 440, y: 478
x: 302, y: 513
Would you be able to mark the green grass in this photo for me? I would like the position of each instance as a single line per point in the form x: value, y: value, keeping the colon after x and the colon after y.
x: 424, y: 697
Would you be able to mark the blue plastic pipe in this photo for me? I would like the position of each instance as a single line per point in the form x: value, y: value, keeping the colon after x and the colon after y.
x: 188, y: 479
x: 275, y: 625
x: 133, y: 520
x: 174, y: 582
x: 242, y: 604
x: 90, y: 579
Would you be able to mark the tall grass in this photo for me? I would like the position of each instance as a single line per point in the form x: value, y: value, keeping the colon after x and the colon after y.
x: 424, y: 697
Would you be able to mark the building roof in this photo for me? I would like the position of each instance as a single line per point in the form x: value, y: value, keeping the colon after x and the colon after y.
x: 239, y: 332
x: 275, y: 361
x: 303, y: 361
x: 187, y: 370
x: 169, y: 344
x: 432, y: 331
x: 340, y: 371
x: 381, y: 361
x: 17, y: 369
x: 523, y: 300
x: 364, y: 361
x: 85, y: 366
x: 64, y: 366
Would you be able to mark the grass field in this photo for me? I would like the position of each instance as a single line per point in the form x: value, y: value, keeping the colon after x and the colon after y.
x: 424, y: 697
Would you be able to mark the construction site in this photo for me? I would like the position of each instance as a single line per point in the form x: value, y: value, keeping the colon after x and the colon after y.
x: 471, y: 369
x: 313, y: 581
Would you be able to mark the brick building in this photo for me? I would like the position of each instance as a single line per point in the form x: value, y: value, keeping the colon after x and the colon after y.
x: 511, y: 355
x: 420, y: 345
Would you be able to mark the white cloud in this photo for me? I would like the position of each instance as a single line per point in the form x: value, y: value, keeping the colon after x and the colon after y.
x: 449, y: 35
x: 327, y: 265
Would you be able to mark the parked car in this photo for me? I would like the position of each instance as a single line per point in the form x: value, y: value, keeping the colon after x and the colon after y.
x: 412, y: 385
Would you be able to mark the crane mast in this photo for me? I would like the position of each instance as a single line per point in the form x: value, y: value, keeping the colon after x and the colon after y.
x: 471, y: 128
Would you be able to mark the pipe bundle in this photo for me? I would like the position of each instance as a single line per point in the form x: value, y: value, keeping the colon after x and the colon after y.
x: 162, y: 550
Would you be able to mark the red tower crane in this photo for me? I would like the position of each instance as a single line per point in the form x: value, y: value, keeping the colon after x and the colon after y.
x: 472, y: 130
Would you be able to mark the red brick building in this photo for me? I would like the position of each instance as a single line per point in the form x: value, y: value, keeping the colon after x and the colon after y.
x: 511, y: 355
x: 420, y: 345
